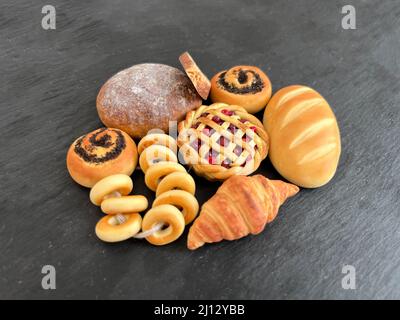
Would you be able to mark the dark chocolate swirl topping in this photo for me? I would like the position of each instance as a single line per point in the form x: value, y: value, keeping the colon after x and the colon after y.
x: 105, y: 141
x: 242, y: 75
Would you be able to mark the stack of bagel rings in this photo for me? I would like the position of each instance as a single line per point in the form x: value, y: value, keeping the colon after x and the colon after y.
x: 175, y: 205
x: 122, y: 220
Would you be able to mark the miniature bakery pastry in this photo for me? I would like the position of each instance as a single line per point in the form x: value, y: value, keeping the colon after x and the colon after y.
x: 171, y: 217
x: 112, y: 195
x: 246, y: 86
x: 144, y: 97
x: 176, y: 181
x: 222, y: 140
x: 161, y: 139
x: 123, y: 221
x: 125, y: 204
x: 155, y: 154
x: 101, y: 153
x: 184, y: 200
x: 157, y: 171
x: 198, y: 78
x: 304, y: 136
x: 113, y: 228
x: 241, y: 206
x: 117, y: 183
x: 175, y: 204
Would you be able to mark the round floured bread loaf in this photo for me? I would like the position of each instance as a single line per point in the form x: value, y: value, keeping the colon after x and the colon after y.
x: 144, y: 97
x: 304, y: 136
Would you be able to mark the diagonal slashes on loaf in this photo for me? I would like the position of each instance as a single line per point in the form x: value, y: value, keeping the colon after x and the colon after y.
x: 312, y: 130
x: 291, y: 95
x: 318, y: 153
x: 299, y: 110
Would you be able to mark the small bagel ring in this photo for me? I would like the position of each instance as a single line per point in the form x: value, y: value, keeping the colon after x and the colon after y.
x: 109, y: 229
x: 117, y: 182
x: 155, y: 154
x: 159, y: 170
x: 125, y: 204
x: 158, y: 139
x: 168, y: 215
x: 180, y: 199
x: 177, y: 180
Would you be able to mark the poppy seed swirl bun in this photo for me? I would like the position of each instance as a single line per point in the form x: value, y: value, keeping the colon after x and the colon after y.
x: 99, y: 154
x: 245, y: 86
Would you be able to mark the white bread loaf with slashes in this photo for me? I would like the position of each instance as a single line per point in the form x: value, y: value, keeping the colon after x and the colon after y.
x: 304, y: 136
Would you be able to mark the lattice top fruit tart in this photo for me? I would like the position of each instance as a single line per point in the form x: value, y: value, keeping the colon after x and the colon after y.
x: 222, y: 140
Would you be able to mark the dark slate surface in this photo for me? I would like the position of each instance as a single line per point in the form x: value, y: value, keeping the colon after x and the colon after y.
x: 49, y: 82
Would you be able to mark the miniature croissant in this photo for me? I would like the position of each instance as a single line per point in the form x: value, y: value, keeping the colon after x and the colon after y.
x: 242, y: 205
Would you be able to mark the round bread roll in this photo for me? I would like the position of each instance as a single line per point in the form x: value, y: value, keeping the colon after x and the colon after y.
x: 144, y: 97
x: 245, y: 86
x: 99, y: 154
x: 304, y: 136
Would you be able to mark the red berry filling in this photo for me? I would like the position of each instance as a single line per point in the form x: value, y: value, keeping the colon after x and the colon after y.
x: 212, y: 157
x: 227, y: 112
x: 249, y: 157
x: 238, y: 150
x: 223, y: 141
x: 217, y: 120
x: 208, y: 131
x: 226, y: 163
x: 196, y: 144
x: 232, y: 128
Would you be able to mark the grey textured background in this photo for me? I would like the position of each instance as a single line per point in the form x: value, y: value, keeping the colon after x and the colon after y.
x: 49, y: 82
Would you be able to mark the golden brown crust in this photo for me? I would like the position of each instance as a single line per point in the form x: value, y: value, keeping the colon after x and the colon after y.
x: 241, y: 206
x: 246, y: 86
x: 109, y: 229
x: 231, y: 141
x: 169, y: 179
x: 198, y: 78
x: 164, y: 213
x: 305, y: 138
x: 145, y: 97
x: 101, y: 153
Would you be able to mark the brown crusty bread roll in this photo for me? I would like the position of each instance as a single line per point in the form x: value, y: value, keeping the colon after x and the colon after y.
x: 144, y: 97
x: 304, y: 136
